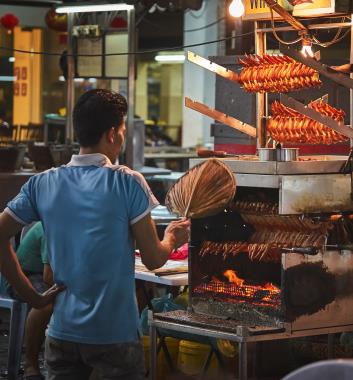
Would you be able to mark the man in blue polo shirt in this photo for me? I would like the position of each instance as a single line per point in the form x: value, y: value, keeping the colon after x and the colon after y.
x: 92, y: 212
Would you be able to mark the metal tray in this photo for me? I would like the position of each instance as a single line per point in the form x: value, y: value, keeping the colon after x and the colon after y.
x: 312, y: 165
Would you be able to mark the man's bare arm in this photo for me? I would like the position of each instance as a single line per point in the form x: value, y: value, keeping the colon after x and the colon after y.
x: 154, y: 253
x: 48, y: 276
x: 11, y: 269
x: 347, y: 68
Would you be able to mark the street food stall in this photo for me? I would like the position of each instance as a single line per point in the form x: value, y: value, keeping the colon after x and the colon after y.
x: 277, y: 262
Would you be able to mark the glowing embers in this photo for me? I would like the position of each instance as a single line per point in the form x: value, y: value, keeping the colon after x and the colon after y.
x: 235, y: 289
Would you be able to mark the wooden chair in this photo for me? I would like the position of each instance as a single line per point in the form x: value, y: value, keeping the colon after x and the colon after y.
x: 32, y: 132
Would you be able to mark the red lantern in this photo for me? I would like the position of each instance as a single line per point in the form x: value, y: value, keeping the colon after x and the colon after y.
x: 118, y: 22
x: 9, y: 21
x: 56, y: 21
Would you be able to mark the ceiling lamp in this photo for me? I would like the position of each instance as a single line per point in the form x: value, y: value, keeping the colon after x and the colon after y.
x: 34, y: 3
x: 85, y: 8
x: 170, y: 58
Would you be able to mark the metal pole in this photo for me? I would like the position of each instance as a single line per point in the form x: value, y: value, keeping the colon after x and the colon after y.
x: 131, y: 91
x: 351, y: 90
x: 243, y: 361
x: 261, y: 99
x: 70, y: 90
x: 153, y: 347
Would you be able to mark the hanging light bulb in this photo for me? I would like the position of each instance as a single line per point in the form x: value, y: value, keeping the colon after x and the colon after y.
x: 236, y: 8
x: 306, y: 48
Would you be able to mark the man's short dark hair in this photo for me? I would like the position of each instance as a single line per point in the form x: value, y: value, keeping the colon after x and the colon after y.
x: 95, y: 112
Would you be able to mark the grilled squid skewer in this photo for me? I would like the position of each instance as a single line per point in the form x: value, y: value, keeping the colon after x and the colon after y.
x: 271, y: 73
x: 289, y: 126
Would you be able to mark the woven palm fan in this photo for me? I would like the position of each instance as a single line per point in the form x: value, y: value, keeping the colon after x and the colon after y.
x: 203, y: 190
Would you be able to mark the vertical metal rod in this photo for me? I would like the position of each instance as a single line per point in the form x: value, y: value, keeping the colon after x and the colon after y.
x: 70, y: 89
x: 206, y: 364
x: 131, y: 91
x: 243, y: 361
x: 17, y: 328
x: 153, y: 347
x: 261, y: 99
x: 351, y: 101
x: 190, y: 260
x: 167, y: 356
x: 351, y: 91
x: 330, y: 342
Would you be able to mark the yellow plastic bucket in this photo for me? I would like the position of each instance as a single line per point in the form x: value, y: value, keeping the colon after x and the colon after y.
x: 162, y: 366
x: 192, y: 357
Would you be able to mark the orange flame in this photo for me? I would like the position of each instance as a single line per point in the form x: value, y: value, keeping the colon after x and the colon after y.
x: 232, y: 277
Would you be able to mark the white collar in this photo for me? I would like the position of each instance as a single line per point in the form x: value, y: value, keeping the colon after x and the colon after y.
x: 92, y: 159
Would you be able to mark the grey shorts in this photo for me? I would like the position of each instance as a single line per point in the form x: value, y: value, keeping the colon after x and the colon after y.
x: 75, y: 361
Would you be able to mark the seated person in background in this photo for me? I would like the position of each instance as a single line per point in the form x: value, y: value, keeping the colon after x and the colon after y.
x: 33, y: 258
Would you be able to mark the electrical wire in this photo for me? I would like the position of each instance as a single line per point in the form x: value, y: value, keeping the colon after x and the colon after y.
x: 128, y: 53
x: 186, y: 30
x: 327, y: 44
x: 335, y: 39
x: 206, y: 26
x: 277, y: 36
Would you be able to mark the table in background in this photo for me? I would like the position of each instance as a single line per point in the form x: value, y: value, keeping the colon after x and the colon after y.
x: 179, y: 279
x: 170, y: 153
x: 168, y: 280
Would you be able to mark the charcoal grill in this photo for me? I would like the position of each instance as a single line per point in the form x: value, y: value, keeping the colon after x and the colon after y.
x: 274, y: 257
x: 277, y: 263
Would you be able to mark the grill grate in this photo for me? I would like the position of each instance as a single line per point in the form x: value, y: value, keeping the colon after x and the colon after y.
x: 270, y: 296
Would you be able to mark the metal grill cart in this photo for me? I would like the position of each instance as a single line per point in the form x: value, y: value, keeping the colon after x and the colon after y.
x: 236, y: 331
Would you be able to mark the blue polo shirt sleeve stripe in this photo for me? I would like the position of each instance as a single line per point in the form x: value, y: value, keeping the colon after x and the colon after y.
x: 22, y: 208
x: 141, y: 199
